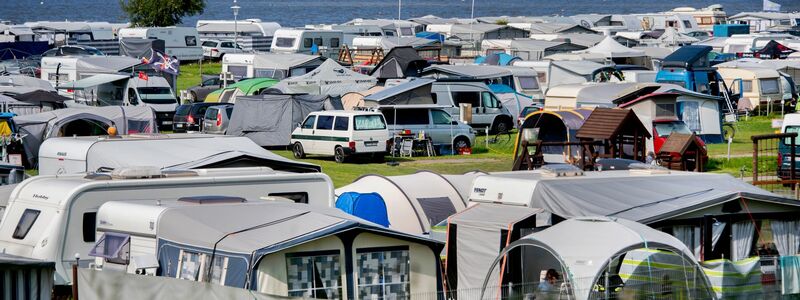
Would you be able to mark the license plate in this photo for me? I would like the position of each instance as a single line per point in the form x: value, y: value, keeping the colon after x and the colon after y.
x: 179, y: 125
x: 167, y: 123
x: 371, y: 144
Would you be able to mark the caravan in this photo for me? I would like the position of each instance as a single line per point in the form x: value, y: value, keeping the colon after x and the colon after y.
x: 308, y: 41
x: 269, y: 65
x: 251, y: 34
x: 61, y: 69
x: 53, y: 218
x: 180, y: 42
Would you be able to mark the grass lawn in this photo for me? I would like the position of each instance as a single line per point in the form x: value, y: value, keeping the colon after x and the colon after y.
x: 741, y: 149
x: 190, y: 73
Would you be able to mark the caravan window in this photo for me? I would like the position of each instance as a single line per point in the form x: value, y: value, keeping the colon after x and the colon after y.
x: 58, y: 77
x: 325, y: 122
x: 308, y: 42
x: 113, y: 247
x: 467, y: 97
x: 318, y: 42
x: 89, y: 223
x: 284, y: 42
x: 219, y: 268
x: 687, y: 24
x: 309, y: 123
x: 341, y: 123
x: 191, y: 40
x: 314, y: 275
x: 406, y: 31
x: 383, y: 273
x: 665, y: 110
x: 770, y: 86
x: 25, y: 223
x: 528, y: 83
x: 335, y: 43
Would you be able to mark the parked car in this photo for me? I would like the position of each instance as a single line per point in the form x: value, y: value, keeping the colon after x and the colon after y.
x: 70, y: 50
x: 433, y: 120
x: 189, y: 117
x: 216, y: 49
x: 527, y: 111
x: 217, y: 118
x: 343, y: 134
x: 209, y: 84
x: 662, y: 128
x: 791, y: 124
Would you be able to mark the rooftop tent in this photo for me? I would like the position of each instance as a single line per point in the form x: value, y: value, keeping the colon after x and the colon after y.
x: 476, y: 235
x: 688, y: 57
x: 368, y: 206
x: 328, y: 79
x: 269, y: 119
x: 400, y: 62
x: 178, y: 152
x: 414, y: 202
x: 610, y: 48
x: 82, y: 122
x: 466, y: 72
x: 415, y: 91
x: 612, y: 245
x: 774, y: 50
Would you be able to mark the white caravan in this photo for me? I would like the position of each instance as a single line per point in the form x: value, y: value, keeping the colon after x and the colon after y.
x: 180, y: 42
x: 327, y: 42
x: 61, y: 69
x: 53, y: 218
x: 253, y: 34
x: 269, y: 65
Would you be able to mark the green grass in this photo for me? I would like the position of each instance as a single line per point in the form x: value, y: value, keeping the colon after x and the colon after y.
x: 742, y: 144
x: 190, y: 73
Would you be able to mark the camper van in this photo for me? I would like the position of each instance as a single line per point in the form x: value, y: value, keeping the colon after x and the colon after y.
x: 487, y: 110
x: 269, y: 65
x: 180, y: 42
x: 118, y: 89
x: 53, y: 218
x: 342, y: 134
x: 521, y: 79
x: 308, y: 41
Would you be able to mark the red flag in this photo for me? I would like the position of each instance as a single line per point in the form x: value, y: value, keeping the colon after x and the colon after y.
x: 143, y: 76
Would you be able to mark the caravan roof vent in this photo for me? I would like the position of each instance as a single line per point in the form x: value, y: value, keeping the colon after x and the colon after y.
x: 136, y: 172
x: 646, y: 169
x: 561, y: 170
x: 212, y: 199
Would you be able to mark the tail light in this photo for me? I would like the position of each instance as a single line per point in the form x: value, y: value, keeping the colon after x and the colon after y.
x: 190, y: 119
x: 219, y: 119
x: 214, y: 50
x: 352, y: 146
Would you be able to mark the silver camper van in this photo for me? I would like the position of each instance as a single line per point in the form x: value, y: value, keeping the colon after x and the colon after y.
x: 486, y: 109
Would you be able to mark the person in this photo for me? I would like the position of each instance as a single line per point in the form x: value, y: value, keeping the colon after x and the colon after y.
x: 548, y: 285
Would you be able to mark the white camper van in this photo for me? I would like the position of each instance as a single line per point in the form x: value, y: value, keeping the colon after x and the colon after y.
x: 53, y: 218
x: 180, y: 42
x: 328, y: 42
x: 118, y: 89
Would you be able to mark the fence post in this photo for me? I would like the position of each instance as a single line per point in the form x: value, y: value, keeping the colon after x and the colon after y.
x: 755, y: 160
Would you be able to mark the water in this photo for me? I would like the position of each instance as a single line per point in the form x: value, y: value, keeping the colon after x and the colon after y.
x: 301, y: 12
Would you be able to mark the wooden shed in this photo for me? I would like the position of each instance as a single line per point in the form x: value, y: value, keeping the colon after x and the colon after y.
x: 619, y: 132
x: 683, y: 152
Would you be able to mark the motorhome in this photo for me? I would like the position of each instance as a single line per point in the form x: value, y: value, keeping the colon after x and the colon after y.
x: 486, y: 110
x: 120, y: 89
x: 180, y: 42
x: 269, y: 65
x: 53, y: 218
x: 266, y: 246
x: 250, y: 34
x: 308, y: 41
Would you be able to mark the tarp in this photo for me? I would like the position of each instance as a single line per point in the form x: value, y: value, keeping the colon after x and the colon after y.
x: 610, y: 48
x: 91, y: 81
x: 497, y: 59
x: 39, y: 127
x: 368, y: 206
x: 270, y: 119
x: 415, y: 91
x: 140, y: 48
x: 735, y: 280
x: 400, y: 62
x: 105, y: 64
x: 328, y: 79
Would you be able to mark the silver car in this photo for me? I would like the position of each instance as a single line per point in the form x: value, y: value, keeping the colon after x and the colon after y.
x: 217, y: 118
x: 431, y: 119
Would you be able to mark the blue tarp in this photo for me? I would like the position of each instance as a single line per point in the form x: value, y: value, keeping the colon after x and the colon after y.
x: 497, y: 59
x: 368, y: 206
x: 431, y: 36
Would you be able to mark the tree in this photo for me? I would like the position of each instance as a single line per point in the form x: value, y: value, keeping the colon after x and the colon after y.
x: 160, y: 13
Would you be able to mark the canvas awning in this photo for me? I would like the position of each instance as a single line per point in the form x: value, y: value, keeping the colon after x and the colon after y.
x: 91, y: 82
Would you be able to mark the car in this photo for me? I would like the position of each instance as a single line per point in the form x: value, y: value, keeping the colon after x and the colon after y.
x: 216, y: 49
x: 209, y: 84
x: 433, y: 120
x: 791, y: 124
x: 217, y: 118
x: 189, y: 117
x: 70, y: 50
x: 662, y: 128
x: 342, y: 134
x: 527, y: 111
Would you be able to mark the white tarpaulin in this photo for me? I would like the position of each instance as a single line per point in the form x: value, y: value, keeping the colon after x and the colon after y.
x: 610, y: 48
x: 330, y: 79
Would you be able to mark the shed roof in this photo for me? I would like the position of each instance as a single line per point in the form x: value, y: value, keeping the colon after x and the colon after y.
x: 605, y: 123
x: 680, y: 143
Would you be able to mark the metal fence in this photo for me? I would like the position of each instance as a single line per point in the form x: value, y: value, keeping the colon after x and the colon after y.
x: 774, y: 164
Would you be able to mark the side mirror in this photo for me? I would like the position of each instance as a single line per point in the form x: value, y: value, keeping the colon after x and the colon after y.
x: 299, y: 124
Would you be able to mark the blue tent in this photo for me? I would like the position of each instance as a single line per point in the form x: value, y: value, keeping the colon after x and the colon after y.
x: 431, y: 36
x: 368, y: 206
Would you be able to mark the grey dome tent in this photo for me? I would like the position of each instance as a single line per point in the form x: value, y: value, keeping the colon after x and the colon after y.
x: 329, y: 79
x: 400, y: 62
x: 269, y: 119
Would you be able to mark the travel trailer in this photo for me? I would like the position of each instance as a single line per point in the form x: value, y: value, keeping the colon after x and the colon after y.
x: 118, y: 89
x: 180, y: 42
x: 61, y: 69
x: 53, y: 218
x: 755, y: 87
x: 269, y: 65
x: 272, y: 247
x: 706, y: 17
x: 683, y: 23
x: 308, y: 41
x: 250, y: 34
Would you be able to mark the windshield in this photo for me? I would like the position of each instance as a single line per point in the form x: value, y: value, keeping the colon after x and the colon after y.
x: 665, y: 129
x: 370, y: 122
x: 790, y: 129
x: 183, y: 110
x: 156, y: 95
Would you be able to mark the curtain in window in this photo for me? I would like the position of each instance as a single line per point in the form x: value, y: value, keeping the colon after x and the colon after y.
x: 190, y: 266
x: 742, y: 239
x: 383, y: 275
x: 691, y: 115
x: 787, y: 236
x: 690, y: 236
x: 314, y: 276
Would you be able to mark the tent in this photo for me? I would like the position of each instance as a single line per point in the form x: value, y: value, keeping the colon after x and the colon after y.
x: 352, y: 100
x: 414, y: 202
x: 774, y: 50
x: 415, y: 91
x: 400, y: 62
x: 329, y: 79
x: 269, y: 119
x: 511, y: 99
x: 671, y: 37
x: 610, y: 48
x: 589, y: 263
x: 368, y: 206
x: 165, y: 151
x: 247, y: 87
x: 476, y: 235
x: 140, y: 48
x: 82, y: 122
x: 20, y: 108
x: 553, y: 126
x: 497, y: 59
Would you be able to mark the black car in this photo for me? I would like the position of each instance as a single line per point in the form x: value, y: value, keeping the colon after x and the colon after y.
x: 189, y: 117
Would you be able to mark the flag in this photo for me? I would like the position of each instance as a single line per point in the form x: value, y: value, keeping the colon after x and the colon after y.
x: 162, y: 62
x: 771, y: 6
x: 143, y: 76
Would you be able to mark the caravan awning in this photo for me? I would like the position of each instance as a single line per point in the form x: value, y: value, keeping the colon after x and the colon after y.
x: 91, y: 82
x: 399, y: 89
